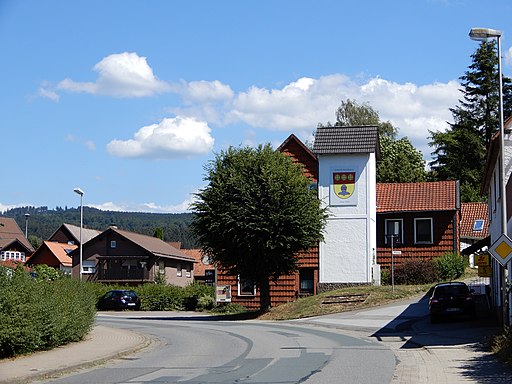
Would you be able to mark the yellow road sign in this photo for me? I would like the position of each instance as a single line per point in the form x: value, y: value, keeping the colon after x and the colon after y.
x: 482, y: 260
x: 501, y: 250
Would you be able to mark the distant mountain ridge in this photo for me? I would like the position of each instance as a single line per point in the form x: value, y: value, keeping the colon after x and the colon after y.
x: 43, y: 222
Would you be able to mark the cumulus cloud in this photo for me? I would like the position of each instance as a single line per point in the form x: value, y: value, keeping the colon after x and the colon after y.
x: 120, y: 75
x: 170, y: 138
x: 301, y: 105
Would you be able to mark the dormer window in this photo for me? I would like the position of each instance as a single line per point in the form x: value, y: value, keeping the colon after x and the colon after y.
x: 113, y: 244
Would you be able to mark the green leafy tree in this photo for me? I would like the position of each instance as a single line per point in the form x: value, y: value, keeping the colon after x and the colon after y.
x: 159, y: 232
x: 350, y: 113
x: 460, y: 152
x: 401, y: 162
x: 256, y: 214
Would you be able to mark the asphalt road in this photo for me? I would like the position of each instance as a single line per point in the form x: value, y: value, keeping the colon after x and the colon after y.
x: 196, y: 350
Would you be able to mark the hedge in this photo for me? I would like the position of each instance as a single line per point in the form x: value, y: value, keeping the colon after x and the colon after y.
x: 40, y: 315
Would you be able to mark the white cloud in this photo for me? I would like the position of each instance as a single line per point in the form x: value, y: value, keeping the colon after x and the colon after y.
x: 182, y: 207
x: 120, y: 75
x: 508, y: 57
x: 205, y: 92
x: 297, y: 106
x: 301, y: 105
x: 170, y: 138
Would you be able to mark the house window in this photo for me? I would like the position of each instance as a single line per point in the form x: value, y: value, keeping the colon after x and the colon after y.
x: 307, y: 280
x: 161, y: 266
x: 3, y: 255
x: 188, y: 273
x: 88, y: 266
x: 423, y: 231
x: 478, y: 225
x: 246, y: 287
x: 113, y: 244
x: 178, y: 270
x: 394, y: 227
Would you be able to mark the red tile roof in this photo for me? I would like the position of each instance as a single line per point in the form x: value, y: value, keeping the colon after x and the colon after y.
x: 199, y: 267
x: 469, y: 213
x: 410, y: 197
x: 61, y: 251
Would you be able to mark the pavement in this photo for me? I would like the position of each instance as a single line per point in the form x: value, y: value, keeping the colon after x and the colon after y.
x: 425, y: 353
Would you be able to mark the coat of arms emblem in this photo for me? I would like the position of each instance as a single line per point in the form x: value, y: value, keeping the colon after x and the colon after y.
x: 344, y: 184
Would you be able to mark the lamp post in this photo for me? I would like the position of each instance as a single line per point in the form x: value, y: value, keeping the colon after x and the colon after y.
x: 26, y: 224
x: 484, y: 34
x: 81, y: 193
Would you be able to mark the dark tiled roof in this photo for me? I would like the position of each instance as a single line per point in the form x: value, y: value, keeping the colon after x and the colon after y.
x: 336, y: 140
x: 470, y: 212
x: 410, y: 197
x: 154, y: 245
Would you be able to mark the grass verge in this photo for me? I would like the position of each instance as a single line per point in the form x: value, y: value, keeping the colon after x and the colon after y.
x: 340, y: 300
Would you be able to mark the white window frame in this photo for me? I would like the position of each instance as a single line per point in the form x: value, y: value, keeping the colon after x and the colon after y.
x: 179, y: 272
x: 113, y: 244
x: 241, y: 282
x: 88, y: 267
x: 400, y: 239
x: 478, y: 225
x: 416, y: 220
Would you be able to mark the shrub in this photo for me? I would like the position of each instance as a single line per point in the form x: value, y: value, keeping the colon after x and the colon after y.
x: 418, y: 271
x: 40, y: 315
x: 450, y: 266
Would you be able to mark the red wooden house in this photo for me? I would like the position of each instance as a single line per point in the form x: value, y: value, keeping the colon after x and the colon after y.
x: 422, y: 217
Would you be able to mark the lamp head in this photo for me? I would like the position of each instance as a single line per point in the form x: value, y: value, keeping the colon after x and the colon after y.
x: 483, y: 34
x: 79, y: 191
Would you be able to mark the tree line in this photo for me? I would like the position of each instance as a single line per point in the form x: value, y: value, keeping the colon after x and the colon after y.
x: 43, y: 222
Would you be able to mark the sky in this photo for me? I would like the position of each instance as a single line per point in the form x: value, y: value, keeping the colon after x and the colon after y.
x: 129, y: 100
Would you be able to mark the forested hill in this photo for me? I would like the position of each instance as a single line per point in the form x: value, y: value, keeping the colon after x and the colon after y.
x: 43, y: 222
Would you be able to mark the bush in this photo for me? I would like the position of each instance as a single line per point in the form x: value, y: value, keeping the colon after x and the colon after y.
x: 40, y: 315
x: 450, y: 266
x: 413, y: 272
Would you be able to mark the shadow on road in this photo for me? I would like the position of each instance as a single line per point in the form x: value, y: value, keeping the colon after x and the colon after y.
x: 413, y: 327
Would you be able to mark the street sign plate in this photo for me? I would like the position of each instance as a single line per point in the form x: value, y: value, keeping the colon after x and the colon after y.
x: 484, y: 271
x: 482, y: 260
x: 501, y: 250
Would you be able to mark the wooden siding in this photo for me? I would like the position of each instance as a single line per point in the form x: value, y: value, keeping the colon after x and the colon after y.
x: 445, y: 237
x: 285, y: 290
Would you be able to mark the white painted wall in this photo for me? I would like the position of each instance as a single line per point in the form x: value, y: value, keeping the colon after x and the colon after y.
x: 350, y: 239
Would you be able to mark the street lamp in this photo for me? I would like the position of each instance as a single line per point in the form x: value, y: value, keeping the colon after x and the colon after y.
x: 484, y: 34
x: 81, y: 193
x: 26, y: 224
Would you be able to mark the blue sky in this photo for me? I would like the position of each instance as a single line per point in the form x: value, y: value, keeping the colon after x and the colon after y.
x: 128, y: 100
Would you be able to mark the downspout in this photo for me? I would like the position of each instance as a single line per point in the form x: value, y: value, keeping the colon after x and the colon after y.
x: 455, y: 221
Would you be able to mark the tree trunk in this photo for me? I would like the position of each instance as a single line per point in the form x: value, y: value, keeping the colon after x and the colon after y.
x: 265, y: 295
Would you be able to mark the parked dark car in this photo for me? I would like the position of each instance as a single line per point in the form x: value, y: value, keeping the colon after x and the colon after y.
x: 451, y: 299
x: 119, y: 300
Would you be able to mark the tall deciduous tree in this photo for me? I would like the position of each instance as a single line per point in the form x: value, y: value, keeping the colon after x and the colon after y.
x: 256, y: 213
x: 459, y: 153
x: 401, y: 162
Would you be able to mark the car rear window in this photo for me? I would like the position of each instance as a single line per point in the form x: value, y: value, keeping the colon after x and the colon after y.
x: 452, y: 290
x: 130, y: 294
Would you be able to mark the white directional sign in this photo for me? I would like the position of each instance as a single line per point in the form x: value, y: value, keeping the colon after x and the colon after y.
x: 501, y: 250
